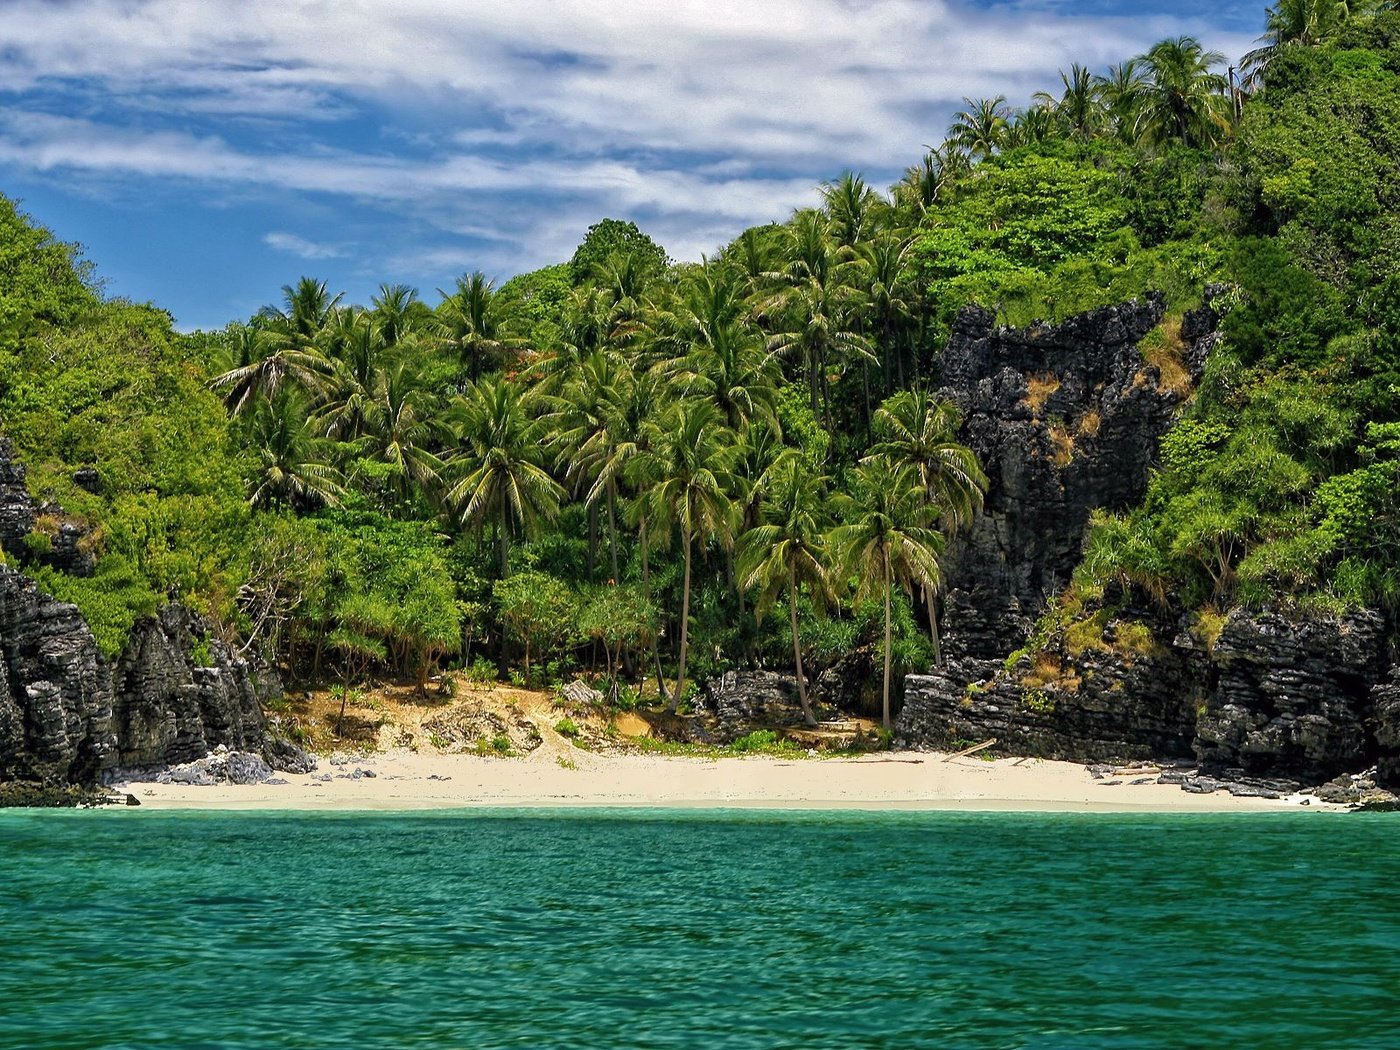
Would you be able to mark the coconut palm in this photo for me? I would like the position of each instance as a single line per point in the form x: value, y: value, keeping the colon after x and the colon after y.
x: 979, y: 128
x: 1182, y: 100
x: 473, y: 323
x: 291, y: 466
x: 853, y: 207
x: 499, y: 464
x: 400, y: 431
x: 887, y: 540
x: 1302, y: 23
x: 920, y: 431
x: 1079, y: 108
x: 356, y: 349
x: 1121, y: 90
x: 787, y: 551
x: 285, y: 349
x: 398, y: 313
x: 889, y: 298
x: 814, y: 308
x: 685, y: 477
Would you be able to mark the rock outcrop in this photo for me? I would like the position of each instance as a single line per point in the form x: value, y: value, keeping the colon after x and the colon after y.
x: 1293, y: 697
x: 1065, y: 419
x: 67, y: 716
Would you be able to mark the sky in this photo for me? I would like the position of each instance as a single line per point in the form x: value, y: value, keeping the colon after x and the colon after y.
x: 207, y: 152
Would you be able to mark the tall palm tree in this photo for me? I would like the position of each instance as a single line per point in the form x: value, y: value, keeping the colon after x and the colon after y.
x: 920, y: 431
x: 814, y: 308
x: 686, y: 479
x: 501, y: 477
x: 400, y: 431
x: 473, y: 323
x: 853, y: 207
x: 285, y: 349
x: 1079, y: 108
x: 398, y: 312
x: 715, y: 352
x: 979, y: 128
x: 1182, y: 100
x: 1122, y: 90
x: 788, y: 551
x: 292, y: 470
x: 356, y: 349
x: 889, y: 298
x: 886, y: 541
x: 1302, y: 23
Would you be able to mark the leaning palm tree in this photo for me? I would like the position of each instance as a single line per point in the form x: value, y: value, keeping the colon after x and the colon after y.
x: 1182, y: 100
x: 501, y: 478
x: 887, y: 539
x: 686, y: 476
x: 920, y: 431
x: 979, y: 129
x: 788, y: 551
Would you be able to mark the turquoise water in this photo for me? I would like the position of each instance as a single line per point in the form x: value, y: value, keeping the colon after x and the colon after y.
x: 692, y: 929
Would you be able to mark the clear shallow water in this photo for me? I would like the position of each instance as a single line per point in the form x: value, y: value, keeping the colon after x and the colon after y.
x: 695, y: 929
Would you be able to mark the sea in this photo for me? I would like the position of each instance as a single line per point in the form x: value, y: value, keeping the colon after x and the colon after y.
x: 698, y: 928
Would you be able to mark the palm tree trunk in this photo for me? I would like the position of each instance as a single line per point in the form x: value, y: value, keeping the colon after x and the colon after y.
x: 889, y: 586
x: 612, y: 532
x: 503, y: 539
x: 685, y: 625
x: 933, y: 627
x: 646, y: 592
x: 592, y: 542
x: 807, y: 715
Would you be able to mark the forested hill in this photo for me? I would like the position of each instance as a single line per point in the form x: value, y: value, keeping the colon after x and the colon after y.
x: 611, y: 464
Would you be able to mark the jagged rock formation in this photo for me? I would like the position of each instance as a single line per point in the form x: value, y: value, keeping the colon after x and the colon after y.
x: 1065, y: 419
x: 1293, y: 698
x: 69, y: 717
x: 1304, y: 700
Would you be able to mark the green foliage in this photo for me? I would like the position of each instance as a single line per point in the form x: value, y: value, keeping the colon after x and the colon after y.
x: 538, y: 609
x: 567, y: 727
x: 613, y: 238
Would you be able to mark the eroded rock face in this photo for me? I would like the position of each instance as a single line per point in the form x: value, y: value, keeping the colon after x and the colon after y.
x: 179, y: 694
x: 1385, y: 701
x: 1100, y: 706
x: 1065, y: 419
x: 56, y: 723
x: 69, y: 717
x: 1293, y: 698
x: 16, y: 505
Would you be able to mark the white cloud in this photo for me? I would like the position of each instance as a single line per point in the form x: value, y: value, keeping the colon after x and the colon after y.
x: 528, y: 119
x: 301, y: 247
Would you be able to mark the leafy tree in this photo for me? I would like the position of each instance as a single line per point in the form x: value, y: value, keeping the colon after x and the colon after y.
x: 788, y: 551
x: 1181, y: 99
x: 613, y: 237
x: 539, y: 609
x: 885, y: 540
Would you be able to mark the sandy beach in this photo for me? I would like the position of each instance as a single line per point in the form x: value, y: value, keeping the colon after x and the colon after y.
x: 553, y: 776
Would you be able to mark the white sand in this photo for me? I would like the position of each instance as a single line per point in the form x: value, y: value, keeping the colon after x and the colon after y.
x: 898, y: 780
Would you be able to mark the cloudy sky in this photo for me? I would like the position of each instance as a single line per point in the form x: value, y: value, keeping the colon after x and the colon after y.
x: 206, y: 152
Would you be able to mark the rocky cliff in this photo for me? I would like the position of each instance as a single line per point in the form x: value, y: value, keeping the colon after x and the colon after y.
x: 1065, y: 419
x: 1068, y: 419
x: 67, y: 716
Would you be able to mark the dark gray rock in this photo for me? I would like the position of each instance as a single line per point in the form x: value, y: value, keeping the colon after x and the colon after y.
x: 218, y: 767
x: 285, y: 757
x: 1293, y: 698
x: 1065, y: 419
x: 88, y: 479
x: 1385, y: 702
x: 16, y: 505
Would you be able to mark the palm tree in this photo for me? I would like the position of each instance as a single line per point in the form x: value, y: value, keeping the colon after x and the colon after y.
x: 285, y: 349
x: 979, y: 128
x: 1121, y: 91
x: 397, y: 312
x: 1302, y: 23
x: 889, y: 298
x: 815, y: 307
x: 1029, y: 127
x: 1182, y: 100
x: 399, y: 431
x: 500, y: 462
x: 854, y: 208
x: 886, y: 540
x: 715, y: 352
x: 292, y: 470
x: 356, y: 349
x: 473, y: 321
x: 920, y: 431
x: 1079, y: 109
x: 685, y: 476
x: 788, y: 551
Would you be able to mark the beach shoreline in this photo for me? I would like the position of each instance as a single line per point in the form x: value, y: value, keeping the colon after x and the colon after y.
x: 551, y: 778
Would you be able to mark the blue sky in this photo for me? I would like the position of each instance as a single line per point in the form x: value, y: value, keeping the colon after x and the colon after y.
x: 207, y: 152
